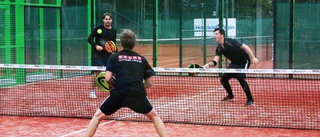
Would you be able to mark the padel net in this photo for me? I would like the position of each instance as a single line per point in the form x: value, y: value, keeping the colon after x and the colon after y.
x: 284, y: 98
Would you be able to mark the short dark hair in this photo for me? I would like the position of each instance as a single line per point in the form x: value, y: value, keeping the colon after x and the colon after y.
x: 106, y: 14
x: 221, y: 31
x: 127, y: 39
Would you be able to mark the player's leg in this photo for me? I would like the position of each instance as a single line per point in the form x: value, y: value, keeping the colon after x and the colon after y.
x: 94, y: 123
x: 226, y: 85
x: 157, y: 122
x: 92, y: 93
x: 245, y: 87
x: 109, y: 106
x: 243, y: 83
x: 95, y: 62
x: 143, y: 105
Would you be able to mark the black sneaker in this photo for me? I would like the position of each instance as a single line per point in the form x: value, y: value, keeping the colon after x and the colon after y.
x: 228, y: 98
x: 249, y: 103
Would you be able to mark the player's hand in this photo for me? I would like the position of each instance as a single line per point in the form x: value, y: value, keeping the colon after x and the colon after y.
x: 206, y: 66
x: 255, y: 61
x: 99, y: 48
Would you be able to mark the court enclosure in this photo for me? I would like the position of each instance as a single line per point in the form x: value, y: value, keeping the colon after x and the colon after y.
x: 45, y: 67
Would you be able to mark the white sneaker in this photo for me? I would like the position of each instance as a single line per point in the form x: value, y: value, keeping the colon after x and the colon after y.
x: 92, y: 94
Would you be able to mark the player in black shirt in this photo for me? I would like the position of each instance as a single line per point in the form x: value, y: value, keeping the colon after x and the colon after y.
x: 240, y: 56
x: 133, y: 76
x: 97, y: 39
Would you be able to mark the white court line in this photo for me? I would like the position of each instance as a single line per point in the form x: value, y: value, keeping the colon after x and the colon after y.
x: 163, y: 106
x: 98, y: 125
x: 86, y: 129
x: 172, y: 61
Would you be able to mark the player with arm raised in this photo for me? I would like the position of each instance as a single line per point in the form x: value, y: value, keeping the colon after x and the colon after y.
x: 133, y: 75
x: 240, y: 56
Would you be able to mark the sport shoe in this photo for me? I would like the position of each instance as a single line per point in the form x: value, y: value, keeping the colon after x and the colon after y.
x: 92, y: 94
x: 228, y: 98
x: 249, y: 103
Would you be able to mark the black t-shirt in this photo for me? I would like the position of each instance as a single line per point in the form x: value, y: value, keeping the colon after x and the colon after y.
x: 130, y: 69
x: 100, y: 35
x: 232, y: 50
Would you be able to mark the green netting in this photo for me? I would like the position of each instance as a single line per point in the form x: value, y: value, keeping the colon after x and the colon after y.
x: 74, y: 35
x: 305, y: 43
x: 2, y: 35
x: 48, y: 34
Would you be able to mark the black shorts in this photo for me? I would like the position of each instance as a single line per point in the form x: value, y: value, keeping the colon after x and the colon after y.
x: 98, y: 62
x: 116, y: 101
x: 242, y: 65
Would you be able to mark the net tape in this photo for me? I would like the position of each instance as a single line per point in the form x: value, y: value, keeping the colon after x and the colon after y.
x: 63, y: 67
x: 199, y: 70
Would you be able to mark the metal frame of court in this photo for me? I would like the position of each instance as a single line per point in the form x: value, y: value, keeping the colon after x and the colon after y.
x: 19, y: 58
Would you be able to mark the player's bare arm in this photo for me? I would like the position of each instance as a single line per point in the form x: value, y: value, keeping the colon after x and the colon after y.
x: 148, y: 82
x: 213, y: 63
x: 108, y: 75
x: 246, y: 48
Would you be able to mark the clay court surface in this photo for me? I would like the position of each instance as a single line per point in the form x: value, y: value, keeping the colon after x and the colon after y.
x: 169, y: 55
x: 12, y: 126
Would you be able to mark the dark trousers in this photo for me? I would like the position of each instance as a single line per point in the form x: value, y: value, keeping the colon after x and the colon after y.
x: 240, y: 77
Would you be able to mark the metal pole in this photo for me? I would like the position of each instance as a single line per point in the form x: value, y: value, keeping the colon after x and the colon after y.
x: 291, y: 56
x: 155, y: 33
x: 203, y: 9
x: 180, y: 34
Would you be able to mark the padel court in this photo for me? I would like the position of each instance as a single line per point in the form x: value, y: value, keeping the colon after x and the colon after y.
x: 47, y: 98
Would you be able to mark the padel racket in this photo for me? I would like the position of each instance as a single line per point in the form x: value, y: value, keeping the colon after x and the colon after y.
x: 193, y: 65
x: 102, y: 84
x: 108, y: 46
